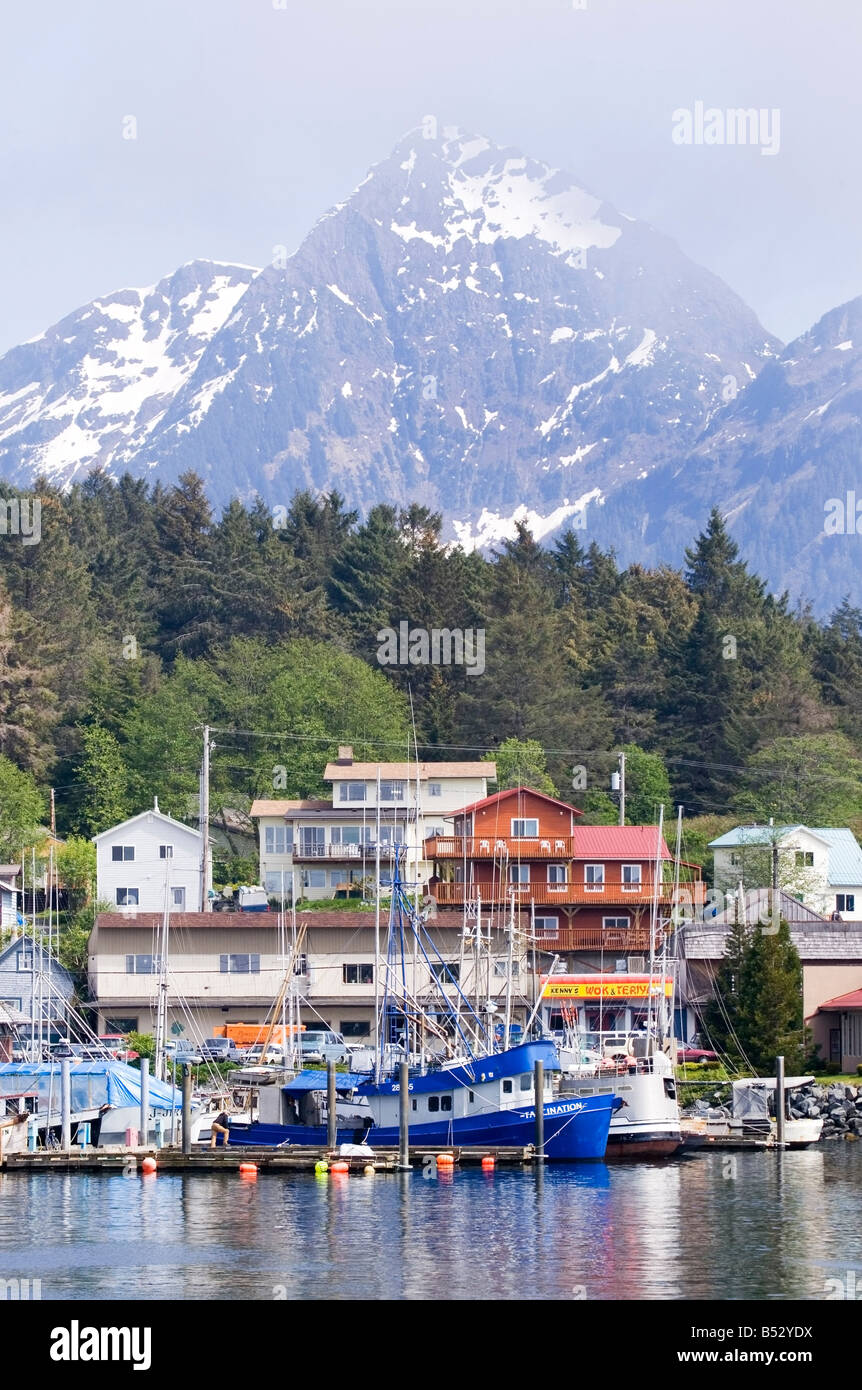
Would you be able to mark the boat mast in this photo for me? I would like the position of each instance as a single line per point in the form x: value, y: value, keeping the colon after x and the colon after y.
x: 162, y: 1001
x: 508, y: 1020
x: 668, y: 1005
x: 378, y: 1022
x: 654, y: 920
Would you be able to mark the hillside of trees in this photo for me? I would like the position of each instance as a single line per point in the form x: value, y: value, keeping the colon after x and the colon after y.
x: 140, y: 615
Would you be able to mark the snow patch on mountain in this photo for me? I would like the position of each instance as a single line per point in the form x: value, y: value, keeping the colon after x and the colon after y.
x: 491, y: 527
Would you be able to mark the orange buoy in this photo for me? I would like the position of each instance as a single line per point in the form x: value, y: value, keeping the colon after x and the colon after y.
x: 149, y: 1165
x: 445, y: 1160
x: 488, y: 1163
x: 248, y: 1170
x: 339, y: 1167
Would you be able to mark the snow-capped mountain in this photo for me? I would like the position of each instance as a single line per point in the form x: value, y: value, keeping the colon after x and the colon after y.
x: 773, y: 459
x: 473, y: 330
x: 92, y: 389
x: 470, y: 329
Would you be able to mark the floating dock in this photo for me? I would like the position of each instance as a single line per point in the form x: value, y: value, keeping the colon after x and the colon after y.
x: 295, y: 1159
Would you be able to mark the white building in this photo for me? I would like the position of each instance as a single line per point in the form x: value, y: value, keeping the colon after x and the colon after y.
x: 820, y: 866
x: 147, y: 857
x: 330, y: 847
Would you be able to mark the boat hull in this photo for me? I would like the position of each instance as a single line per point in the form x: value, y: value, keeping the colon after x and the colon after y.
x: 575, y: 1130
x: 647, y: 1125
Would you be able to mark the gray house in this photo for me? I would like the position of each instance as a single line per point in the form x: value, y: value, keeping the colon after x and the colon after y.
x: 32, y: 983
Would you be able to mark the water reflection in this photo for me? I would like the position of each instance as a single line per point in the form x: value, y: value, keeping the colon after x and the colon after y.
x: 767, y: 1226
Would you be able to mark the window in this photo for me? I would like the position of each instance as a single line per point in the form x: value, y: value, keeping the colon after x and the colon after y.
x: 631, y: 875
x: 127, y: 897
x: 392, y: 791
x: 278, y: 839
x: 445, y: 1102
x: 277, y: 881
x: 557, y: 875
x: 351, y: 791
x: 472, y: 1097
x: 143, y: 965
x: 356, y: 1028
x: 357, y: 974
x: 433, y: 1103
x: 315, y: 878
x: 621, y: 923
x: 500, y: 968
x: 805, y: 859
x: 507, y: 1086
x: 525, y: 829
x: 446, y: 973
x: 519, y: 873
x: 122, y: 853
x: 435, y: 789
x: 300, y: 965
x: 547, y: 926
x: 594, y: 877
x: 735, y: 861
x: 845, y: 902
x: 239, y: 965
x: 351, y: 834
x: 179, y: 898
x: 312, y: 841
x: 166, y: 851
x: 11, y: 1003
x: 121, y: 1025
x: 24, y: 958
x: 526, y: 1082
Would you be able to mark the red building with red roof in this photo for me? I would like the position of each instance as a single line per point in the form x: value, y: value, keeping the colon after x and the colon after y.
x: 590, y: 887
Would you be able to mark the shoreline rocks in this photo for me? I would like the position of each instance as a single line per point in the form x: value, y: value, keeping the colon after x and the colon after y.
x: 838, y: 1103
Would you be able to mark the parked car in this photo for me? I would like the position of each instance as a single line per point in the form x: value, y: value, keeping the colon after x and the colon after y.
x: 183, y: 1053
x: 274, y: 1056
x: 322, y: 1045
x: 688, y: 1053
x: 221, y: 1050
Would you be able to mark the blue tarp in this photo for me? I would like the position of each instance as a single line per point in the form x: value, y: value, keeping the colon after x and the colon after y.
x: 316, y: 1081
x: 93, y: 1084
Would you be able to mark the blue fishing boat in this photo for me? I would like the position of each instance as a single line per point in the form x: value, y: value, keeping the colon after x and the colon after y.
x: 481, y: 1096
x: 481, y: 1101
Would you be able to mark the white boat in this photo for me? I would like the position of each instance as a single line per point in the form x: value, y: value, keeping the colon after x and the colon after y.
x: 648, y: 1124
x: 748, y: 1123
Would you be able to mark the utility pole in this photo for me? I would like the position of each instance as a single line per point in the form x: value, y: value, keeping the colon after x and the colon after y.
x: 776, y: 921
x: 618, y: 785
x: 206, y: 870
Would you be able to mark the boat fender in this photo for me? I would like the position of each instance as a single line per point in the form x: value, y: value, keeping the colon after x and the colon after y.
x: 321, y: 1166
x: 149, y: 1166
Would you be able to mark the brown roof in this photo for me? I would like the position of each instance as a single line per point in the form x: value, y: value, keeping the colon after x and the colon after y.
x: 345, y: 772
x: 517, y: 791
x: 182, y: 921
x: 281, y: 808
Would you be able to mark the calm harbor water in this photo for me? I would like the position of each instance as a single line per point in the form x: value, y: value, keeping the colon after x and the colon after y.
x: 779, y: 1228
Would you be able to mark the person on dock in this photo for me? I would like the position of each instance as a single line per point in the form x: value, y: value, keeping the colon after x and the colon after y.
x: 220, y: 1125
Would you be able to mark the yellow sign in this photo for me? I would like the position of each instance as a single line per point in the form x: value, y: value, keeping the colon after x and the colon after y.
x: 595, y: 987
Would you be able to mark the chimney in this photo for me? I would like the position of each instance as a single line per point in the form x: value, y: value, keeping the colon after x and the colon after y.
x: 155, y: 803
x: 345, y: 754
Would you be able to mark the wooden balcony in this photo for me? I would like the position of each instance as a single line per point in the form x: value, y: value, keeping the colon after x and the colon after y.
x: 608, y: 895
x: 492, y: 847
x: 607, y: 939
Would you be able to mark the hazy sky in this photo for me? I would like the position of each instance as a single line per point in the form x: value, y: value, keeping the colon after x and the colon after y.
x: 254, y: 116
